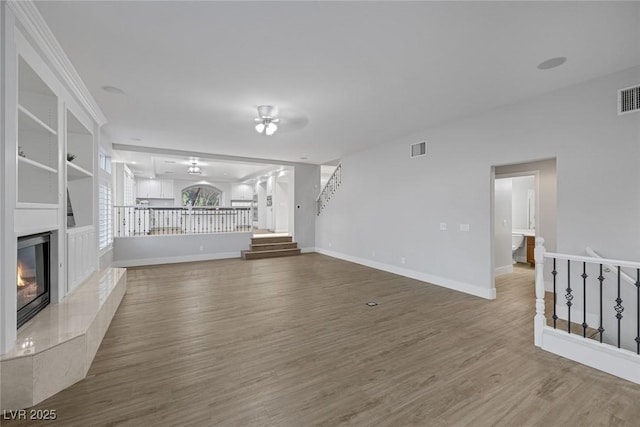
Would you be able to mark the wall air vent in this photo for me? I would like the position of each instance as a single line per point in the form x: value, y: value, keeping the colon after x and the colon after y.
x: 629, y: 99
x: 418, y: 149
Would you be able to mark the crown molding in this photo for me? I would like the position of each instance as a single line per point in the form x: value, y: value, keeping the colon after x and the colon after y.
x: 34, y: 24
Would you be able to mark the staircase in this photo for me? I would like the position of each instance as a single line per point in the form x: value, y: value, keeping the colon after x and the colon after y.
x: 271, y: 247
x: 329, y: 189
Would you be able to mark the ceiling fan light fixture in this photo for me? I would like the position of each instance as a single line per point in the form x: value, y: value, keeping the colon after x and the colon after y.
x: 267, y: 120
x: 271, y: 129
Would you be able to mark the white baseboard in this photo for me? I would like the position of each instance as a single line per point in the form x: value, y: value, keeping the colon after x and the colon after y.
x: 621, y: 363
x: 505, y: 269
x: 488, y: 293
x: 176, y: 259
x: 307, y: 250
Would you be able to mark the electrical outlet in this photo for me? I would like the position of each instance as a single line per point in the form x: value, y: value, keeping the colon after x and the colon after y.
x: 443, y: 226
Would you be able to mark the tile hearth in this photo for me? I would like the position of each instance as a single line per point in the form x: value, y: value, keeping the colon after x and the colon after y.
x: 55, y: 349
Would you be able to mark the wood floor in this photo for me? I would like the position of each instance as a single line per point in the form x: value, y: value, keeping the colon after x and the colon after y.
x: 291, y: 342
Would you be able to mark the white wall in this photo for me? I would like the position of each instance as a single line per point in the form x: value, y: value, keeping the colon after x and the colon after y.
x: 262, y: 205
x: 520, y: 187
x: 502, y: 226
x: 281, y: 204
x: 598, y: 189
x: 149, y: 250
x: 270, y: 192
x: 306, y: 190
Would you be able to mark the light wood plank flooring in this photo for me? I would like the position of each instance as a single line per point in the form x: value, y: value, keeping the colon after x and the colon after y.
x: 290, y: 342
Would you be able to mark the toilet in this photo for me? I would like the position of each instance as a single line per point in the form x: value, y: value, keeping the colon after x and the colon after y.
x: 517, y: 240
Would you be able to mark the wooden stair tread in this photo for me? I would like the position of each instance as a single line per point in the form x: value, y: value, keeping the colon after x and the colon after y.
x: 268, y: 239
x: 253, y: 254
x: 269, y: 246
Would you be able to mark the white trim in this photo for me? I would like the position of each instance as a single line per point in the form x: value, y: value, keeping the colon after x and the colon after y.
x: 307, y: 250
x: 505, y: 269
x: 34, y: 24
x: 592, y: 260
x: 467, y: 288
x: 175, y: 259
x: 615, y: 361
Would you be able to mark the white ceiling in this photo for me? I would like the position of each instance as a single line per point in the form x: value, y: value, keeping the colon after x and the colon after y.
x: 148, y: 165
x: 345, y: 75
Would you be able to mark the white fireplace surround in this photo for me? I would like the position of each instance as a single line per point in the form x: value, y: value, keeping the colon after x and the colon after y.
x: 25, y: 33
x: 49, y: 112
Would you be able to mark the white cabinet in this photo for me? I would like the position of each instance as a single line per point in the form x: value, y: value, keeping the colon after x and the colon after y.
x: 167, y: 189
x: 241, y: 192
x: 155, y: 188
x: 81, y: 255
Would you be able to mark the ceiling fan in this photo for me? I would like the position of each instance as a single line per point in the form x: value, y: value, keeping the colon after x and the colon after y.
x: 266, y: 120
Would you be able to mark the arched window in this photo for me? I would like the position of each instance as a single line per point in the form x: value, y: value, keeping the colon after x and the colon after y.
x: 201, y: 195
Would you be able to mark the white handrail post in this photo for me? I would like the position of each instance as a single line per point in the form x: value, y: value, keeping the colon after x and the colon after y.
x: 539, y: 321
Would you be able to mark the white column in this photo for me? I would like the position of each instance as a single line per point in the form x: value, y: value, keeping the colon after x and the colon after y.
x: 539, y: 321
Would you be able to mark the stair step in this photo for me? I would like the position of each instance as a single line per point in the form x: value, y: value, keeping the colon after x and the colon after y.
x: 274, y: 239
x: 269, y: 254
x: 273, y: 246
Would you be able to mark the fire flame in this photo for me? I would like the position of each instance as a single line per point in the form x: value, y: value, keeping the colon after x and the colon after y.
x: 21, y: 282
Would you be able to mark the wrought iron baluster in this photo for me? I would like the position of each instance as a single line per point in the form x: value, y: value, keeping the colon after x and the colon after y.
x: 569, y: 296
x: 554, y: 273
x: 584, y: 299
x: 618, y: 307
x: 601, y: 279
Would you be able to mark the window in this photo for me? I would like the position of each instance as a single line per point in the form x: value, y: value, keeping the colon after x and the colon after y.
x: 106, y: 215
x: 105, y: 202
x: 201, y: 195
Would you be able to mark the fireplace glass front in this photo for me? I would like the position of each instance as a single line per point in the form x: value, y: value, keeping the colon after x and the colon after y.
x: 33, y: 276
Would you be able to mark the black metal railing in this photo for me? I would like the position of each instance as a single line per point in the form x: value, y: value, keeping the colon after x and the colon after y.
x: 608, y: 286
x: 329, y: 189
x: 149, y: 221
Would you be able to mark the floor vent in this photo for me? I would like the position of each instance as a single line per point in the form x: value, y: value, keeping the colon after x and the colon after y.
x: 418, y: 149
x: 629, y: 100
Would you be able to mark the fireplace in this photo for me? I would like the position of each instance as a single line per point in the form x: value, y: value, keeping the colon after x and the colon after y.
x: 33, y: 275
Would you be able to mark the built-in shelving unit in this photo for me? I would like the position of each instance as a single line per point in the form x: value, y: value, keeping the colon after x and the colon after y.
x: 80, y: 184
x: 38, y: 146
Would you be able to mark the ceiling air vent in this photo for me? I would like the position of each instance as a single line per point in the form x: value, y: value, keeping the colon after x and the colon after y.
x: 418, y: 149
x: 629, y: 100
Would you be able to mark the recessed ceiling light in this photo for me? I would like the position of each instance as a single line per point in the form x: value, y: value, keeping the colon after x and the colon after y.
x: 113, y: 89
x: 552, y: 63
x: 133, y: 163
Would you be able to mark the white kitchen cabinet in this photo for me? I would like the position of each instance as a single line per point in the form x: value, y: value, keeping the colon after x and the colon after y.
x: 241, y: 192
x: 155, y: 189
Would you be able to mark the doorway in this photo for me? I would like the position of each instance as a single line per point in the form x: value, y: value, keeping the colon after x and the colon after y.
x: 523, y: 208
